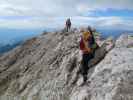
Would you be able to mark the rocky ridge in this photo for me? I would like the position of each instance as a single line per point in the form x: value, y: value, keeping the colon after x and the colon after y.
x: 46, y: 68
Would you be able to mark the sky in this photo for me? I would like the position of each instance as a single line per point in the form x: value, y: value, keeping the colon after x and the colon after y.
x: 38, y: 14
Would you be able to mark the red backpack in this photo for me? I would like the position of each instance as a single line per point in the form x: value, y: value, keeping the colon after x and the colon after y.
x: 82, y: 46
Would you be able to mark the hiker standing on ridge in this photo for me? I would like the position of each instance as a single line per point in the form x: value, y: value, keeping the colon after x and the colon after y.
x: 87, y: 47
x: 68, y: 24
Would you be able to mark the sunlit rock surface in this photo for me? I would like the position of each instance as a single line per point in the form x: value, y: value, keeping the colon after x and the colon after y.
x: 112, y: 77
x: 46, y: 68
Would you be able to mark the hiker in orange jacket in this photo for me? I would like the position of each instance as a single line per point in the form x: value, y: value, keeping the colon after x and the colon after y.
x: 88, y: 47
x: 86, y: 53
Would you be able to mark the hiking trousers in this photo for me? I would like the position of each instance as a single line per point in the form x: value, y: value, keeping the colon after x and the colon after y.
x: 68, y: 27
x: 85, y: 60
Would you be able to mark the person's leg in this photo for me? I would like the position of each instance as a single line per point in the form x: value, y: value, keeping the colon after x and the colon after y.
x: 86, y: 59
x: 67, y: 28
x: 85, y: 67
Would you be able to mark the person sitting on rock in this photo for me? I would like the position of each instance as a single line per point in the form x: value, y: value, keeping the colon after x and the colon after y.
x: 68, y: 24
x: 87, y: 53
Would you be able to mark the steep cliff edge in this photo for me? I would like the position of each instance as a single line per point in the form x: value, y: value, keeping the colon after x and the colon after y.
x: 45, y: 68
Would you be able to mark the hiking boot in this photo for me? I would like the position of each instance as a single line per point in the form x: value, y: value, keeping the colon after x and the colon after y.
x: 85, y: 78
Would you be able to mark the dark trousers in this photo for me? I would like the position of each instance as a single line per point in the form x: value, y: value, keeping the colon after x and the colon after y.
x: 68, y: 28
x: 85, y: 60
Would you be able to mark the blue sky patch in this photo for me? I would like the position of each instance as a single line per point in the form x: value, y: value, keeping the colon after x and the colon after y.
x: 112, y: 12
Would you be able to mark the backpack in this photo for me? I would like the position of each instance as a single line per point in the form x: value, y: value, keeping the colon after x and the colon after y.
x: 91, y: 44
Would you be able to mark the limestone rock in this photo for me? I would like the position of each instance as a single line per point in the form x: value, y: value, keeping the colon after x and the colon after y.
x: 112, y: 77
x: 46, y: 68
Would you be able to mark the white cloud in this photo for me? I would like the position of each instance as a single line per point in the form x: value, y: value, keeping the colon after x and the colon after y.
x: 59, y: 7
x: 33, y: 23
x: 52, y: 13
x: 111, y: 22
x: 59, y: 22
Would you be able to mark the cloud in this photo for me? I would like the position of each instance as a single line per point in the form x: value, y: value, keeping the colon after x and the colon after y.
x: 53, y: 13
x: 111, y: 22
x: 77, y: 21
x: 32, y: 22
x: 52, y: 8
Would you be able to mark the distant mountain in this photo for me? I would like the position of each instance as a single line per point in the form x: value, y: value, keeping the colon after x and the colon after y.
x: 12, y: 35
x: 8, y: 47
x: 10, y: 38
x: 113, y: 32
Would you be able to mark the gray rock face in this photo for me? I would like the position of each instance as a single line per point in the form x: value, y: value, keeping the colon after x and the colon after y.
x: 112, y: 77
x: 46, y: 68
x: 41, y: 69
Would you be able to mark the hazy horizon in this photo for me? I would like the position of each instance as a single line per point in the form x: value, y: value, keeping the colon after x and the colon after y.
x: 32, y: 14
x: 8, y: 36
x: 27, y: 17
